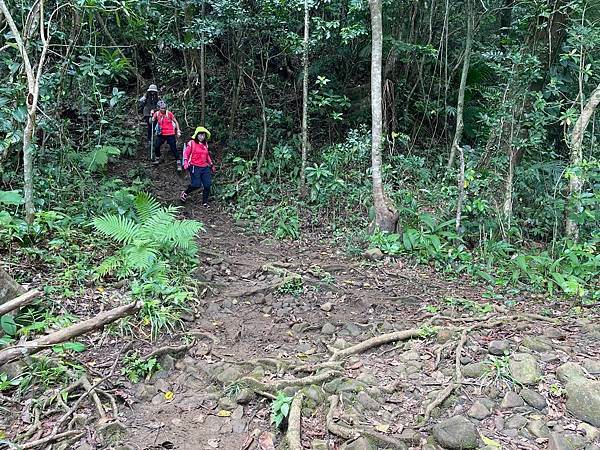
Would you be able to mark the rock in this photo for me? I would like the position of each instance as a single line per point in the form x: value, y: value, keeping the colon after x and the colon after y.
x: 591, y: 433
x: 464, y: 360
x: 516, y: 421
x: 227, y: 403
x: 367, y: 378
x: 511, y: 432
x: 412, y: 437
x: 328, y: 328
x: 213, y: 308
x: 592, y: 366
x: 583, y: 400
x: 559, y: 441
x: 549, y: 357
x: 238, y: 425
x: 14, y: 369
x: 374, y: 254
x: 359, y: 444
x: 533, y: 398
x: 499, y: 347
x: 537, y: 343
x: 318, y: 444
x: 479, y: 411
x: 511, y: 400
x: 554, y: 333
x: 444, y: 336
x: 162, y: 385
x: 158, y: 399
x: 352, y: 329
x: 351, y: 385
x: 326, y: 307
x: 369, y: 403
x: 145, y: 392
x: 538, y: 428
x: 569, y: 371
x: 111, y: 431
x: 226, y: 426
x: 524, y: 368
x: 340, y: 344
x: 332, y: 386
x: 456, y: 433
x: 229, y: 375
x: 474, y: 370
x: 314, y: 393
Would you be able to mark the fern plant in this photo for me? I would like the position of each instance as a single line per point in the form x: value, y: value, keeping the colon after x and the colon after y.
x: 149, y: 239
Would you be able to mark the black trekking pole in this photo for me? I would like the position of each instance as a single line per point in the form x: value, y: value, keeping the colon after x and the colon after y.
x: 151, y: 139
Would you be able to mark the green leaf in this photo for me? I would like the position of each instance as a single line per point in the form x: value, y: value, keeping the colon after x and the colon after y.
x: 7, y: 323
x: 11, y: 198
x: 75, y: 346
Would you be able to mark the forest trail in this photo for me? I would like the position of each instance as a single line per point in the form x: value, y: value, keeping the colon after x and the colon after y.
x: 508, y: 385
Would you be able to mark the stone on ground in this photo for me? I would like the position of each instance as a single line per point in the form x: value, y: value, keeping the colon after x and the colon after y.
x: 456, y: 433
x: 478, y: 411
x: 524, y: 368
x: 569, y: 371
x: 374, y: 254
x: 511, y: 400
x: 583, y: 400
x: 474, y: 370
x: 533, y: 398
x: 499, y: 347
x: 538, y: 428
x: 359, y: 444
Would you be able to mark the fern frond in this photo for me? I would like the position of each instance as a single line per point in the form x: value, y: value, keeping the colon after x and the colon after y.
x: 146, y: 206
x: 108, y: 266
x: 120, y: 228
x: 140, y: 255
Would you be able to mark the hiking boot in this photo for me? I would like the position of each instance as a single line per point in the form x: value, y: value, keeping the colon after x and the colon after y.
x: 156, y: 161
x: 183, y: 196
x: 205, y: 205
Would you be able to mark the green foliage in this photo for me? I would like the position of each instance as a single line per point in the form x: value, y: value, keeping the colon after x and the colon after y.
x: 291, y: 285
x: 8, y: 325
x: 137, y: 368
x: 148, y: 240
x: 98, y: 158
x: 7, y: 383
x: 280, y: 408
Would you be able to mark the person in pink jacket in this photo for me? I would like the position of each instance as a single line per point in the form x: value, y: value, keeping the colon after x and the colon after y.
x: 197, y: 161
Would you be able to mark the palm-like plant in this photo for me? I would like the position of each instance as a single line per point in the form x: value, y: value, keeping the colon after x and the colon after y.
x: 148, y: 240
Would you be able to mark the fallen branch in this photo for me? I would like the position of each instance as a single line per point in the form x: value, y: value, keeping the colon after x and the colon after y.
x: 295, y: 424
x: 19, y: 302
x: 21, y: 350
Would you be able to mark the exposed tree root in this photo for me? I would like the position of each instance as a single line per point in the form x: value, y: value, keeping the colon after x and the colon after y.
x: 21, y: 350
x: 376, y: 341
x: 52, y: 438
x: 295, y: 424
x: 379, y: 439
x: 169, y: 350
x: 445, y: 393
x: 314, y: 367
x: 275, y: 386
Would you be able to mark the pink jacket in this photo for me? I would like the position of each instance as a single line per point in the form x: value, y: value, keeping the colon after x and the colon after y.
x: 196, y: 154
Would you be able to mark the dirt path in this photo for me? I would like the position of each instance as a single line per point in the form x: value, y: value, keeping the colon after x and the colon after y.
x: 508, y: 383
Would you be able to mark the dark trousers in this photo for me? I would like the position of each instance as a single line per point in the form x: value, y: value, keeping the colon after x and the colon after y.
x: 149, y: 127
x: 200, y: 177
x: 160, y: 140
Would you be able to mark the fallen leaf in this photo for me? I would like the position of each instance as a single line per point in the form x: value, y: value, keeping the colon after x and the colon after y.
x: 265, y: 441
x: 169, y: 396
x: 214, y: 443
x: 224, y: 413
x: 356, y: 365
x: 382, y: 427
x: 490, y: 442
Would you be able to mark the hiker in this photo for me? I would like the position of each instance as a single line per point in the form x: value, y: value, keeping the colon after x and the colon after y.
x: 147, y: 105
x: 166, y: 129
x: 197, y: 161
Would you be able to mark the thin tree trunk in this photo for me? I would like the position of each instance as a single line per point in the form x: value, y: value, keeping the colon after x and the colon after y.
x: 202, y: 74
x: 461, y: 90
x: 386, y: 216
x: 576, y: 145
x: 305, y: 98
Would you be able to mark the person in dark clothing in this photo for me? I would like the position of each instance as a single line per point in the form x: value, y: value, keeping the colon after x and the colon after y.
x: 167, y: 128
x: 147, y: 105
x: 197, y: 160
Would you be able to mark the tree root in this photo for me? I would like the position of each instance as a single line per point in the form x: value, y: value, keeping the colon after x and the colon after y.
x: 295, y: 424
x: 314, y: 367
x: 169, y: 350
x: 279, y: 385
x: 379, y: 439
x: 445, y: 393
x: 376, y: 341
x: 52, y: 438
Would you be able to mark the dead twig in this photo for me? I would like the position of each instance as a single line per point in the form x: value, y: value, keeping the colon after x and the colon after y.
x: 294, y: 441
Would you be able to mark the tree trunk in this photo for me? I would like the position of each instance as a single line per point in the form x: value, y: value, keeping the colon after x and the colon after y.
x: 576, y: 146
x: 202, y: 74
x: 305, y: 99
x: 386, y: 216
